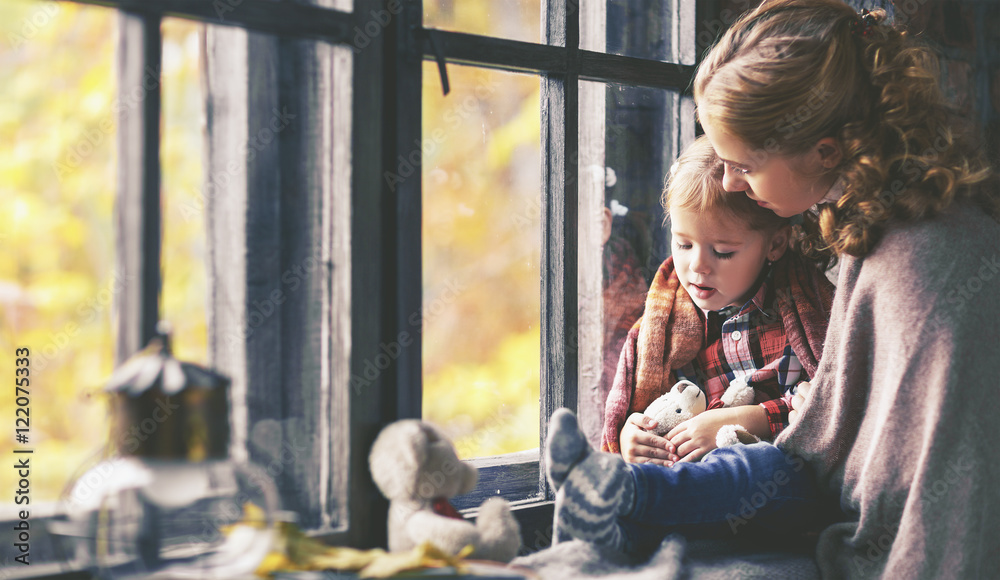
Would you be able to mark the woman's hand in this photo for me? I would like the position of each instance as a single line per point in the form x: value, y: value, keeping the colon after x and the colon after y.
x: 641, y: 446
x: 799, y: 401
x: 696, y: 436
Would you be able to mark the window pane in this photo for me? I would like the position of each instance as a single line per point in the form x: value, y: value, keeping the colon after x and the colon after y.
x: 628, y: 140
x: 653, y: 29
x: 57, y: 181
x: 481, y: 251
x: 183, y: 301
x: 512, y: 19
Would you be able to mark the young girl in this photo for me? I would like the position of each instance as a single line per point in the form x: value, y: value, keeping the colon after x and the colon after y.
x: 812, y: 105
x: 722, y: 302
x: 730, y: 303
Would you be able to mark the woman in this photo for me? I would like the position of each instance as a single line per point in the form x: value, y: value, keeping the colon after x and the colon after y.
x: 819, y: 109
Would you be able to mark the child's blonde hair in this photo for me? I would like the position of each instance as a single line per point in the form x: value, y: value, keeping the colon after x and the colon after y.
x: 792, y: 72
x: 695, y: 184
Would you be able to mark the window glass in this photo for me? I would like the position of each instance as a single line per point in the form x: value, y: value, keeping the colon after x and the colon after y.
x: 653, y: 29
x: 58, y: 125
x: 183, y: 190
x: 481, y: 165
x: 512, y: 19
x: 627, y: 143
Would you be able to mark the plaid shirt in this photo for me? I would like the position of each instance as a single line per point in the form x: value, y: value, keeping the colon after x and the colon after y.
x: 748, y: 342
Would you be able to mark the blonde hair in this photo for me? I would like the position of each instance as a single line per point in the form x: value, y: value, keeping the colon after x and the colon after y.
x: 792, y: 72
x: 695, y: 184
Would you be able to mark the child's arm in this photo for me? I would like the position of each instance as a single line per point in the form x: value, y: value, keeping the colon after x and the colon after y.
x: 781, y: 412
x: 641, y: 446
x: 696, y: 436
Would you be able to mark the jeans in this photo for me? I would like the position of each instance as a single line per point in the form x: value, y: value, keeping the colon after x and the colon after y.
x: 731, y: 490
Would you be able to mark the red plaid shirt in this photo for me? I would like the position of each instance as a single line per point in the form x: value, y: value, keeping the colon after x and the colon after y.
x: 748, y: 342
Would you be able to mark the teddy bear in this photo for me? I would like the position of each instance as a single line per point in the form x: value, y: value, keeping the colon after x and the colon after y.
x: 685, y: 400
x: 417, y: 469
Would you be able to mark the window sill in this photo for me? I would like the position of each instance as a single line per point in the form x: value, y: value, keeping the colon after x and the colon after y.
x: 513, y: 476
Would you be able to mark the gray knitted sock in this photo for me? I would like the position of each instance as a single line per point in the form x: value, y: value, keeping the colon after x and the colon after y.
x: 592, y: 489
x: 565, y: 446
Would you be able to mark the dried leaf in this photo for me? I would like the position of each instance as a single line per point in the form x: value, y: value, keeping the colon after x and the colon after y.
x: 297, y: 551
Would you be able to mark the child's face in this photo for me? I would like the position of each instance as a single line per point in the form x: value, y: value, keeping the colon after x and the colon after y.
x: 718, y: 258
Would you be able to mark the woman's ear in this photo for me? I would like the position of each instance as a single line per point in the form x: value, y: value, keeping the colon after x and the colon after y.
x: 829, y: 152
x: 779, y: 243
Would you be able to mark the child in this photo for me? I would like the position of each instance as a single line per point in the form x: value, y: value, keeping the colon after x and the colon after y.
x: 718, y: 304
x: 894, y: 431
x: 716, y: 311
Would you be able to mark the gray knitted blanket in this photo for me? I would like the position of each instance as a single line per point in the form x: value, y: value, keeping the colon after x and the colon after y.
x: 675, y: 559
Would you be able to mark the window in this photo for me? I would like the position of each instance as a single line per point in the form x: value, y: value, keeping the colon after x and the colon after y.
x: 57, y: 278
x: 609, y: 127
x: 315, y: 251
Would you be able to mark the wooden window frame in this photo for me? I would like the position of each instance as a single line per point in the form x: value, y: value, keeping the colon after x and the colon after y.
x: 384, y: 236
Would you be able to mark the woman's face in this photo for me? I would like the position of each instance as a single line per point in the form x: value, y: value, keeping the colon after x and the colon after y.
x: 783, y: 184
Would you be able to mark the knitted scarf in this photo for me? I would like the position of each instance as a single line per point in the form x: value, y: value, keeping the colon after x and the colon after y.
x: 672, y: 332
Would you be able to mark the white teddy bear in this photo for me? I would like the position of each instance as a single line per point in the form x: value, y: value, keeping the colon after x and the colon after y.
x: 417, y: 469
x: 685, y: 400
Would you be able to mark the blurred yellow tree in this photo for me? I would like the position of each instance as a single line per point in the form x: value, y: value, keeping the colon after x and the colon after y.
x: 481, y: 171
x: 57, y: 270
x: 57, y: 182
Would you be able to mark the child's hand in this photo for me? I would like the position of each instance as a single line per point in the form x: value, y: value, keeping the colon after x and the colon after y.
x: 641, y: 446
x: 799, y: 401
x: 696, y: 436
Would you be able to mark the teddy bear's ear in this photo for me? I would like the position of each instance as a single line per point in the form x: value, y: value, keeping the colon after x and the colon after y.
x: 680, y: 386
x: 469, y: 475
x: 397, y: 456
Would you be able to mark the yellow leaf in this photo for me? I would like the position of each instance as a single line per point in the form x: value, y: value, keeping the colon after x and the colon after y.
x: 274, y: 562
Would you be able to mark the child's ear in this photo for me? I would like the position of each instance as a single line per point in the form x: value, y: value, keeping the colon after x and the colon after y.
x: 779, y: 243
